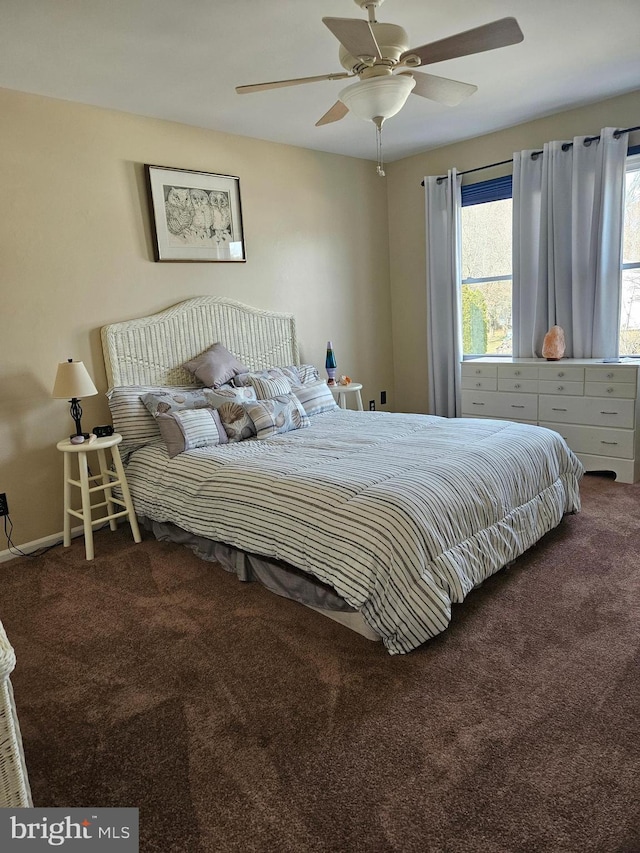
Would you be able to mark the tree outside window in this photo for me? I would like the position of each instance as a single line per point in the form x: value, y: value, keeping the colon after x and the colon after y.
x: 486, y: 278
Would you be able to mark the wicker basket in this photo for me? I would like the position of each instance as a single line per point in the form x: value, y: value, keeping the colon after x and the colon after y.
x: 14, y: 783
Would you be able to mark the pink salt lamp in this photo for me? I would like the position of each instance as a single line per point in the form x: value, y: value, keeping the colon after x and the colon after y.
x: 553, y: 345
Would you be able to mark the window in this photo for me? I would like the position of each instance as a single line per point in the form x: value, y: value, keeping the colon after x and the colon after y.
x: 630, y: 295
x: 486, y: 268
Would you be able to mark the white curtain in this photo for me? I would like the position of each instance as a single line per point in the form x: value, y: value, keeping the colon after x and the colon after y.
x: 568, y: 213
x: 444, y: 339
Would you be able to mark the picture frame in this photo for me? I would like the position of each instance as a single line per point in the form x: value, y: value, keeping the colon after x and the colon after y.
x: 196, y: 216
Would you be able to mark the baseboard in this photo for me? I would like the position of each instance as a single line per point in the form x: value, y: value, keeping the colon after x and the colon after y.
x: 45, y: 542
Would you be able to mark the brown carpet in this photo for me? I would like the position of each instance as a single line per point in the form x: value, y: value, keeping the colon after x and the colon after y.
x: 238, y: 721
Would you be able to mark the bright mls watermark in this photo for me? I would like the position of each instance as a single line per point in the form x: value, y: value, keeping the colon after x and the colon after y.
x: 83, y: 830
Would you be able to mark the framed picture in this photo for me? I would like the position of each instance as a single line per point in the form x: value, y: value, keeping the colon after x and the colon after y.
x: 196, y: 215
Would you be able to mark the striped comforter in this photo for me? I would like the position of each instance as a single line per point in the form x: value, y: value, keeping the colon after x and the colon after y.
x: 402, y: 514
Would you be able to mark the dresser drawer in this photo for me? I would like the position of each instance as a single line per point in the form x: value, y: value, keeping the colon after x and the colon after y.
x: 510, y: 407
x: 567, y: 374
x: 472, y: 368
x: 479, y: 383
x: 561, y: 386
x: 517, y: 371
x: 525, y: 386
x: 610, y: 389
x: 607, y: 373
x: 596, y: 440
x: 592, y: 411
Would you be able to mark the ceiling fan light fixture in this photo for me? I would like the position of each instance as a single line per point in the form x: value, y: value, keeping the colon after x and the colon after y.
x: 377, y: 97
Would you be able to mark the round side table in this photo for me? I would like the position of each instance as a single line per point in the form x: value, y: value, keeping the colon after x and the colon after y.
x: 104, y: 482
x: 341, y: 392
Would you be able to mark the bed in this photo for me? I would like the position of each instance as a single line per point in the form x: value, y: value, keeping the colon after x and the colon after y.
x: 387, y: 518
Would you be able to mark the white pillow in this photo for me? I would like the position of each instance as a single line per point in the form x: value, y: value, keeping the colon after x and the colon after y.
x: 316, y: 397
x: 268, y: 388
x: 131, y: 418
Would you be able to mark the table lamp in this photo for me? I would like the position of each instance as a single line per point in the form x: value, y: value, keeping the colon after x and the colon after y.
x: 73, y: 381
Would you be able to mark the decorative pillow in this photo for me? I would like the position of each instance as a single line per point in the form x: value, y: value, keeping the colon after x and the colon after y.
x: 215, y: 366
x: 191, y: 428
x: 229, y: 394
x: 291, y: 373
x: 280, y: 414
x: 308, y: 373
x: 297, y: 374
x: 132, y: 419
x: 316, y: 397
x: 268, y: 388
x: 167, y: 400
x: 236, y: 422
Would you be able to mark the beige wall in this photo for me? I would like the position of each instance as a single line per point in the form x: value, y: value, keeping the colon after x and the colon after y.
x: 407, y: 222
x: 76, y: 253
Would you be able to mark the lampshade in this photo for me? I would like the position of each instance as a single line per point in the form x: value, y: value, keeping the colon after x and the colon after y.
x: 73, y: 380
x: 378, y: 97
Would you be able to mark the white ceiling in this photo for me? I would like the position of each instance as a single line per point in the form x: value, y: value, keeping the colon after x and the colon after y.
x: 181, y: 59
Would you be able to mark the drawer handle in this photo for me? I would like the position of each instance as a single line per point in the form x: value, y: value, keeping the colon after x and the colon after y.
x: 513, y: 406
x: 478, y: 404
x: 561, y: 374
x: 608, y: 442
x: 478, y: 384
x: 610, y: 390
x: 478, y: 371
x: 517, y: 373
x: 558, y: 410
x: 609, y: 375
x: 517, y: 385
x: 609, y: 413
x: 560, y: 388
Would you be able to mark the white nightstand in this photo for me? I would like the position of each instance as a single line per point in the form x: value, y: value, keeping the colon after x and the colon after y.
x: 341, y: 392
x: 88, y: 485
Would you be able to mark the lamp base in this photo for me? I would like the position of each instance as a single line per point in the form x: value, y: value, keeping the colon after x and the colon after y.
x: 84, y: 435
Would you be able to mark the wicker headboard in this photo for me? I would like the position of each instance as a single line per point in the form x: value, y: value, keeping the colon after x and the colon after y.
x: 151, y: 350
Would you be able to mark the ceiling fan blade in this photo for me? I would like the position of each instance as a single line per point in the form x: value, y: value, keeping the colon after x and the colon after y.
x: 441, y: 89
x: 355, y: 35
x: 278, y: 84
x: 337, y: 111
x: 499, y: 33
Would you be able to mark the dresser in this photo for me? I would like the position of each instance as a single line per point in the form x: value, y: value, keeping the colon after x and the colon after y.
x: 593, y: 405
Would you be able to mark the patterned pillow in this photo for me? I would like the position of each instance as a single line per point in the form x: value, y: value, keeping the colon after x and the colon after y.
x: 280, y: 414
x: 166, y: 400
x: 316, y: 397
x: 229, y: 394
x: 191, y: 428
x: 308, y: 373
x: 236, y: 422
x: 215, y: 366
x: 132, y: 419
x: 267, y: 388
x: 297, y: 374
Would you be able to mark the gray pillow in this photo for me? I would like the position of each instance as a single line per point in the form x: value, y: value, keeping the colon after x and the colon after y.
x: 215, y: 366
x: 191, y: 428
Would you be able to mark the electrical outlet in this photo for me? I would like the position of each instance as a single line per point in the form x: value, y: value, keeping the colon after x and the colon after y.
x: 372, y: 405
x: 383, y: 398
x: 4, y: 506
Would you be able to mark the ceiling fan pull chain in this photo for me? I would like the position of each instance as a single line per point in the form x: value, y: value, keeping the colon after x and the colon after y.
x: 380, y: 167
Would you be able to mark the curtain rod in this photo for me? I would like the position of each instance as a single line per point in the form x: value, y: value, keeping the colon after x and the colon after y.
x: 565, y: 147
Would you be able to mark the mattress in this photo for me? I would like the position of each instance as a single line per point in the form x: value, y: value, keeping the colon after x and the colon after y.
x: 401, y: 514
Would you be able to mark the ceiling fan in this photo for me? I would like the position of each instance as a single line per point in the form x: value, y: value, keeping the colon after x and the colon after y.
x: 380, y: 56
